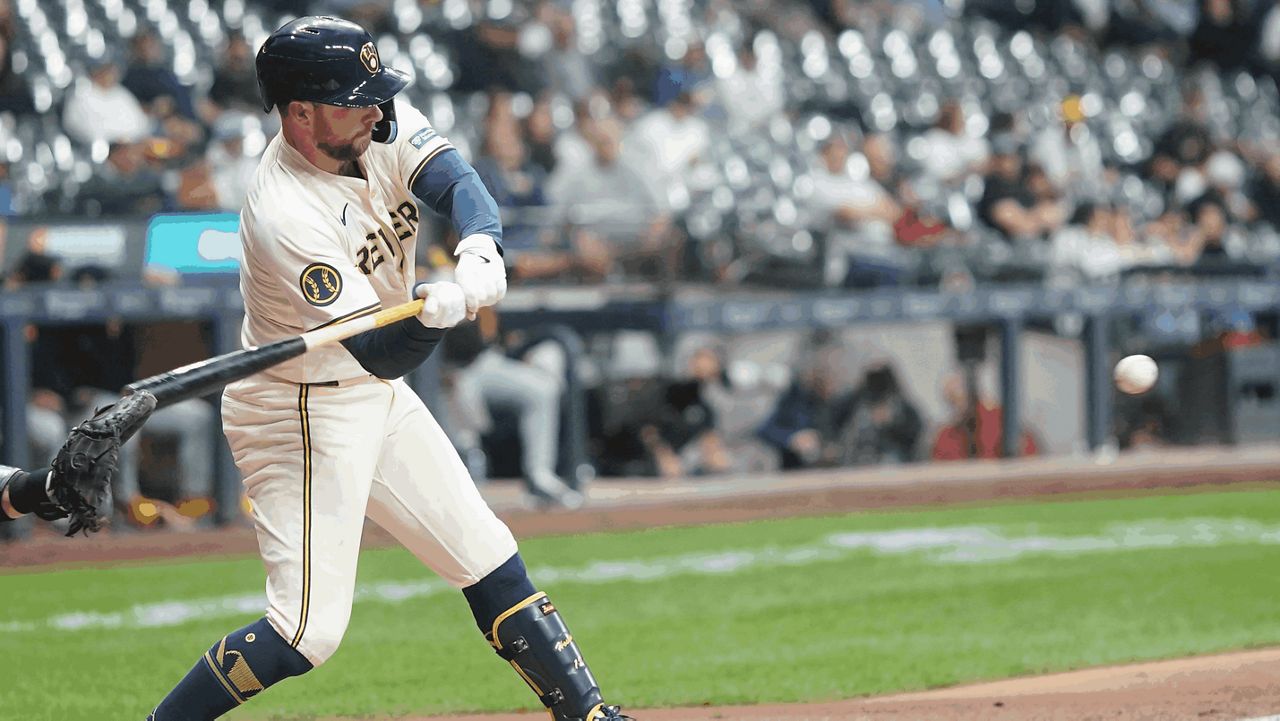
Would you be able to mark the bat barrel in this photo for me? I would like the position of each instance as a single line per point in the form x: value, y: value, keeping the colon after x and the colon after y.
x: 207, y: 376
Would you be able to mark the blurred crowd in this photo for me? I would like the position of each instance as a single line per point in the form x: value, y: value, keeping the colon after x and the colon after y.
x: 707, y: 409
x: 813, y: 143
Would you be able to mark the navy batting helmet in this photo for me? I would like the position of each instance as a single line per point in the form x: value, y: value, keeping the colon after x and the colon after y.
x: 331, y: 61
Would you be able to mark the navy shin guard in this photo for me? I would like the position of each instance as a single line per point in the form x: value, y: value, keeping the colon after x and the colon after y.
x: 526, y: 630
x: 532, y: 637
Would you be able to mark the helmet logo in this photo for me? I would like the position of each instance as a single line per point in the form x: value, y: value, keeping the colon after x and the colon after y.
x: 369, y: 58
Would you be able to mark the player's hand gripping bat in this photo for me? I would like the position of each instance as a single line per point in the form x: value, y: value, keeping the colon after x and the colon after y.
x: 206, y: 376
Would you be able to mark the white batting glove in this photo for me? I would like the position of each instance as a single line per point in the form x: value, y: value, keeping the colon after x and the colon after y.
x: 445, y: 306
x: 480, y: 272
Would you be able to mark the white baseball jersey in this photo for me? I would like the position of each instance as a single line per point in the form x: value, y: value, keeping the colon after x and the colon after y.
x: 320, y: 442
x: 320, y: 248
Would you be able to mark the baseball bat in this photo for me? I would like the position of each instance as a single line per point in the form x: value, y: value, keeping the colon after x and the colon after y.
x: 206, y: 376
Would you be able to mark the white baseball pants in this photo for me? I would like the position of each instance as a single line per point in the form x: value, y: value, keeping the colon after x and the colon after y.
x: 316, y: 460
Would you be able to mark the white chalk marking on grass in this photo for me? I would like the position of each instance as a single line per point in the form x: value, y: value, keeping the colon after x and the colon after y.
x: 944, y: 545
x: 986, y: 544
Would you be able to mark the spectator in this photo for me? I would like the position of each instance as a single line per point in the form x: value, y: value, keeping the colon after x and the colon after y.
x: 231, y: 167
x: 190, y: 425
x: 881, y: 152
x: 663, y: 145
x: 9, y: 201
x: 1269, y: 40
x: 976, y: 428
x: 177, y: 137
x: 100, y: 108
x: 857, y: 214
x: 1224, y: 175
x: 849, y: 200
x: 1265, y: 190
x: 1085, y: 249
x: 950, y: 153
x: 686, y: 439
x: 486, y: 380
x: 126, y: 184
x: 1224, y: 35
x: 197, y: 190
x: 683, y: 76
x: 15, y: 94
x: 572, y: 148
x: 516, y: 184
x: 614, y: 224
x: 149, y: 77
x: 374, y: 15
x: 1172, y: 239
x: 738, y: 398
x: 884, y: 425
x: 750, y: 95
x: 1187, y: 140
x: 1213, y: 241
x: 235, y: 82
x: 566, y: 68
x: 488, y: 55
x: 36, y: 265
x: 809, y: 422
x: 627, y: 411
x: 50, y: 382
x: 627, y: 103
x: 1069, y: 153
x: 51, y: 385
x: 1142, y: 421
x: 541, y: 135
x: 921, y: 224
x: 1009, y: 205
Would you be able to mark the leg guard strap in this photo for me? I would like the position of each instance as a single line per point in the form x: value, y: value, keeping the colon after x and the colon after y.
x: 533, y: 638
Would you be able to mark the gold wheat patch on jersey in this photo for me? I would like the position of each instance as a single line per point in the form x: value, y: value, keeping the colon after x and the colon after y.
x: 320, y: 284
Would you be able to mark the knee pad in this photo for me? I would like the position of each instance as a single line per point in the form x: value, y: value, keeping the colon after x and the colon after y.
x: 533, y: 638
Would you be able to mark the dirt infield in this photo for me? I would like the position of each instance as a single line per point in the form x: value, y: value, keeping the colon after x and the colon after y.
x: 629, y: 504
x: 1231, y: 686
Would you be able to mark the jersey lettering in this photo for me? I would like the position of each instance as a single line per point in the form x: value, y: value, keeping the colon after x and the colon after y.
x: 409, y: 211
x: 368, y: 258
x: 404, y: 225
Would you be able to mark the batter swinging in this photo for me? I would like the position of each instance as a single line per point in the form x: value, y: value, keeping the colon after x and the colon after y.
x: 323, y: 441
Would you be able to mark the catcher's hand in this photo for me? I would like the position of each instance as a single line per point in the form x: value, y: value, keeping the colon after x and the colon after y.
x: 80, y: 484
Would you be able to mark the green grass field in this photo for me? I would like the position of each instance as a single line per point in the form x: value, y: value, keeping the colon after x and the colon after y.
x: 787, y: 610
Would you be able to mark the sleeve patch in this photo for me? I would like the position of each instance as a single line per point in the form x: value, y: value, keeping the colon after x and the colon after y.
x: 421, y: 137
x: 320, y: 284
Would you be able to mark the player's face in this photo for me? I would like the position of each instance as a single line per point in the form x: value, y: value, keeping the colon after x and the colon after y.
x: 345, y: 133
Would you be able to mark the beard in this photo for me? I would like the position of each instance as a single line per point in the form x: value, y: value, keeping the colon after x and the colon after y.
x: 349, y: 151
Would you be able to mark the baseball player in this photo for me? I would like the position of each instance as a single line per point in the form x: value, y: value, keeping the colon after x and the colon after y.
x: 77, y: 484
x: 329, y: 229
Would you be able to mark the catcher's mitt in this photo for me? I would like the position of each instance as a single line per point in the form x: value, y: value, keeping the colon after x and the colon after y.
x: 82, y: 471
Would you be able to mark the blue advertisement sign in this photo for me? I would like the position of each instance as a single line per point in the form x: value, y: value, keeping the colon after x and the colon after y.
x: 194, y: 242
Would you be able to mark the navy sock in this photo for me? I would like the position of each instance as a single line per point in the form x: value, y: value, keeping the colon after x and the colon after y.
x: 497, y: 592
x: 233, y: 671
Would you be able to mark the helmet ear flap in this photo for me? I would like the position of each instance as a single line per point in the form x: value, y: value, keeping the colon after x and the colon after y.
x: 385, y: 130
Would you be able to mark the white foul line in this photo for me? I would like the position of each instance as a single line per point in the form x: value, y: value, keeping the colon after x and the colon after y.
x: 955, y: 545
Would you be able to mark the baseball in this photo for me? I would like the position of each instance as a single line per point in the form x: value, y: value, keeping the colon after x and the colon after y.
x: 1136, y: 374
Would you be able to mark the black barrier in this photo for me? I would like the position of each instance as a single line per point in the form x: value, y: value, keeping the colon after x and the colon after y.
x: 599, y: 309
